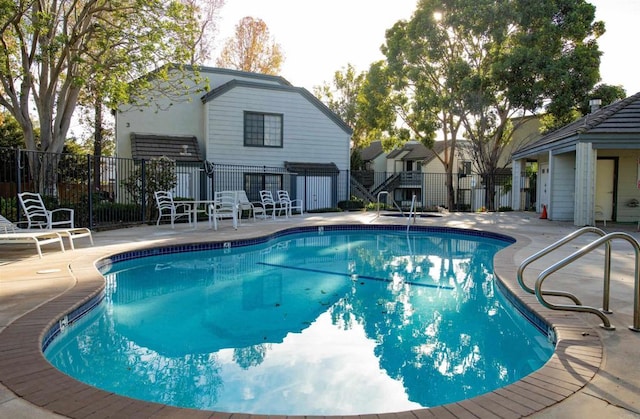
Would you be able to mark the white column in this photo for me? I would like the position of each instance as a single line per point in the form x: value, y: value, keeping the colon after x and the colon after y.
x: 516, y: 185
x: 583, y: 212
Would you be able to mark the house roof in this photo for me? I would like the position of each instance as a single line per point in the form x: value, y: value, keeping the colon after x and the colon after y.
x: 151, y: 146
x: 372, y: 151
x: 616, y: 125
x: 243, y: 74
x: 222, y: 89
x: 417, y: 151
x: 307, y: 168
x: 409, y: 151
x: 218, y: 70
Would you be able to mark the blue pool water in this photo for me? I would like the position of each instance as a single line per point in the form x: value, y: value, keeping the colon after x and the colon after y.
x: 314, y: 323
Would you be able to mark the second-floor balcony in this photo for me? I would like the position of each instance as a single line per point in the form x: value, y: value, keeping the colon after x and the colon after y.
x: 410, y: 179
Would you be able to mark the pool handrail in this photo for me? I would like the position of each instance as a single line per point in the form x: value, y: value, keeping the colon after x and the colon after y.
x: 556, y: 245
x: 606, y: 239
x: 392, y: 200
x: 412, y: 212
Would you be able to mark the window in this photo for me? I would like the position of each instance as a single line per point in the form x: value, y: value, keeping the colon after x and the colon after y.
x: 262, y: 130
x: 256, y: 182
x: 464, y: 168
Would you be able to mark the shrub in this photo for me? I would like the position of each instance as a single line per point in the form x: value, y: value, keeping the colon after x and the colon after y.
x: 352, y: 205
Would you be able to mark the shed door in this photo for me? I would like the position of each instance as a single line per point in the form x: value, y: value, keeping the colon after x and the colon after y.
x: 605, y: 174
x: 544, y: 185
x: 317, y: 191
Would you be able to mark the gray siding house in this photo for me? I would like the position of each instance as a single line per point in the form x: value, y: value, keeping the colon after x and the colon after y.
x: 589, y: 170
x: 243, y: 120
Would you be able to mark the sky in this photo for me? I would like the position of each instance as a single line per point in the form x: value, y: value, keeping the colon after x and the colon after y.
x: 320, y: 37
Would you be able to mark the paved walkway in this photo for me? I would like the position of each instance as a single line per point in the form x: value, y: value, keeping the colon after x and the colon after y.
x: 594, y: 374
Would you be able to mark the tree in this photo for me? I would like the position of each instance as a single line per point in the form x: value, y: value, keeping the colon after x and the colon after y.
x: 102, y: 92
x: 10, y: 132
x: 207, y: 14
x: 409, y: 96
x: 342, y: 98
x: 52, y: 50
x: 478, y: 63
x: 252, y: 49
x: 607, y: 94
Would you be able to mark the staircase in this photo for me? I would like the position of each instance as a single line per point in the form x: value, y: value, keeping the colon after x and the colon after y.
x: 360, y: 191
x: 388, y: 185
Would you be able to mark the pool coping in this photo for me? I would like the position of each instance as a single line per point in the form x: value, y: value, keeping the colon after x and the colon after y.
x: 25, y: 371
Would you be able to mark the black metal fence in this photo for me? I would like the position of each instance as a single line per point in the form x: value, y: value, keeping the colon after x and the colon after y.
x: 108, y: 192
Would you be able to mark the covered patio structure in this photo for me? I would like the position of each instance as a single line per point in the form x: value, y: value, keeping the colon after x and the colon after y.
x: 588, y: 170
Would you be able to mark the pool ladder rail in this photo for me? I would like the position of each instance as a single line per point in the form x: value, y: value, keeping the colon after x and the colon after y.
x: 412, y: 209
x: 604, y: 239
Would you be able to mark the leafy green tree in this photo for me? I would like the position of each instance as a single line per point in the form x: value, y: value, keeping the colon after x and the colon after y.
x: 606, y: 93
x: 408, y: 97
x: 252, y: 49
x: 51, y: 51
x: 341, y: 96
x: 10, y: 132
x: 478, y: 63
x: 105, y: 90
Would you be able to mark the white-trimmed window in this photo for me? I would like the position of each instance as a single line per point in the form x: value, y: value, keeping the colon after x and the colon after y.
x: 262, y: 129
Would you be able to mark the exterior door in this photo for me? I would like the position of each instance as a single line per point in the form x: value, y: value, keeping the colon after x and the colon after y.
x: 605, y: 175
x: 318, y: 191
x: 544, y: 185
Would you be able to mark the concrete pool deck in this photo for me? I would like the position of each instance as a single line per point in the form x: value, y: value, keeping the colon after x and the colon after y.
x: 594, y: 373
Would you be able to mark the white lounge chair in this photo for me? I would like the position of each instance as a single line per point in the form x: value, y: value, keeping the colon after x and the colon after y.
x: 11, y: 235
x: 255, y: 209
x: 226, y: 206
x: 168, y: 208
x: 291, y: 204
x: 268, y: 203
x: 39, y: 216
x: 7, y: 227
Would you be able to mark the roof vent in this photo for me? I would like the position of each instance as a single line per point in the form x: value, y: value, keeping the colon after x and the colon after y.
x: 594, y: 104
x: 185, y: 150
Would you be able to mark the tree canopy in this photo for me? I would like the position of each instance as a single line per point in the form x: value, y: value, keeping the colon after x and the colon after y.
x: 341, y: 96
x: 252, y: 49
x: 52, y: 50
x: 476, y: 64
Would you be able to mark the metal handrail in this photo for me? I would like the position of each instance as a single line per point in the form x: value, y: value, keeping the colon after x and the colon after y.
x: 392, y: 200
x: 411, y: 212
x: 554, y: 246
x: 606, y: 239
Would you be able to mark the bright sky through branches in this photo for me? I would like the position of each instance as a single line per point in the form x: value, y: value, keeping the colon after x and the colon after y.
x: 320, y: 37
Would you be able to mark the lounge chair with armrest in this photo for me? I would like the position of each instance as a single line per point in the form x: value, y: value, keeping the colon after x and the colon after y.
x: 10, y: 234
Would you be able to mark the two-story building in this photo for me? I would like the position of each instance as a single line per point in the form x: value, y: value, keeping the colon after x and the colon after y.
x: 239, y: 130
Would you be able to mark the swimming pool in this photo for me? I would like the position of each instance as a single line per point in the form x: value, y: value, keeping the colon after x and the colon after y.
x: 431, y: 302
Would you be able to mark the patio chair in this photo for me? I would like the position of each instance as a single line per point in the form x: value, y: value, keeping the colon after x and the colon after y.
x: 11, y: 234
x: 39, y: 216
x: 226, y: 206
x: 246, y: 205
x: 291, y: 204
x: 168, y: 208
x: 268, y: 203
x: 7, y: 228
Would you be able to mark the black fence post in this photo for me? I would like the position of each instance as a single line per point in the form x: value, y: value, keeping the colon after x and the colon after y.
x: 18, y: 185
x: 143, y: 181
x: 89, y: 191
